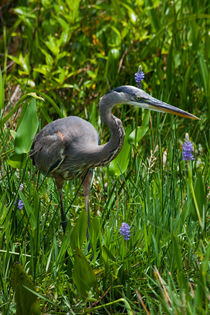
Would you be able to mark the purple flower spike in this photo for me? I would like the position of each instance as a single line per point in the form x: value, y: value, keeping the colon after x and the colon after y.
x: 139, y: 76
x: 20, y: 204
x: 125, y: 231
x: 187, y: 150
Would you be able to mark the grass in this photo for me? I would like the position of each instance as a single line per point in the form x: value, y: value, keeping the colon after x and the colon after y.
x: 70, y: 61
x: 164, y: 262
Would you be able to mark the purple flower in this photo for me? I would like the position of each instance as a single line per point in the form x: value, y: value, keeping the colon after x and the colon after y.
x: 139, y: 76
x: 20, y: 204
x: 187, y: 151
x: 125, y: 231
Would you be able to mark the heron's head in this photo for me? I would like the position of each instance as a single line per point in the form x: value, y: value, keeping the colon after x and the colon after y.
x: 127, y: 94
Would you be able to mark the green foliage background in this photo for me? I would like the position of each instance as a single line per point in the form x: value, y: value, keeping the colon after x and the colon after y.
x: 57, y: 59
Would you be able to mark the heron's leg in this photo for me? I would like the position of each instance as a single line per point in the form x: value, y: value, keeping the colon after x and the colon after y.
x: 59, y: 184
x: 86, y: 188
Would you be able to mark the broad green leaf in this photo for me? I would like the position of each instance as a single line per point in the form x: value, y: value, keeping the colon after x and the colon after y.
x: 145, y: 115
x: 114, y: 39
x: 13, y: 133
x: 83, y: 276
x: 137, y: 134
x: 106, y: 254
x: 48, y: 58
x: 65, y: 35
x: 65, y: 244
x: 25, y: 11
x: 92, y: 74
x: 114, y: 54
x: 26, y: 301
x: 131, y: 12
x: 17, y: 160
x: 22, y: 61
x: 25, y: 63
x: 74, y: 9
x: 94, y: 232
x: 27, y: 129
x: 112, y: 64
x: 79, y: 231
x: 1, y: 91
x: 20, y: 102
x: 119, y: 165
x: 43, y: 69
x: 53, y: 44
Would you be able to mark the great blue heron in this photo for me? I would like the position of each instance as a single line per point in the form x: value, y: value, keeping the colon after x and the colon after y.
x: 69, y: 147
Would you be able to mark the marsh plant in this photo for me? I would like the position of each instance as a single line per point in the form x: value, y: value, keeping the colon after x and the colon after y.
x: 149, y: 224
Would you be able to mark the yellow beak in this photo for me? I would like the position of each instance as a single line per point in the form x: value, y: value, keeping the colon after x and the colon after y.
x: 156, y: 105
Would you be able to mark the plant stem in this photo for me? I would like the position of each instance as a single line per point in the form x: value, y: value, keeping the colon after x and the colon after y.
x: 193, y: 193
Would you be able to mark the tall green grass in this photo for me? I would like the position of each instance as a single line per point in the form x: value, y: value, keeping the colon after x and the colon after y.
x: 69, y: 56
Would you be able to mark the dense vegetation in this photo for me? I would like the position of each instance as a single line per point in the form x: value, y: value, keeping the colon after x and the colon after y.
x: 57, y: 59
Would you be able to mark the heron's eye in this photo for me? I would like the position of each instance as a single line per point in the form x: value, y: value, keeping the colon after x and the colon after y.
x: 138, y: 98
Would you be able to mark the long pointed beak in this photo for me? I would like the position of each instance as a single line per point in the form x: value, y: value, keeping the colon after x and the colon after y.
x: 159, y: 106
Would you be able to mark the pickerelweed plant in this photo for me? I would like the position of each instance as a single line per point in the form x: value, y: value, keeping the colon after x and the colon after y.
x: 20, y: 204
x: 125, y: 231
x: 139, y: 76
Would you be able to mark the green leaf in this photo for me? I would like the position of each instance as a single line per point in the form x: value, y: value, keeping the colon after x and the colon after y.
x: 13, y: 133
x: 79, y: 231
x: 106, y: 254
x: 112, y: 63
x: 145, y: 119
x: 1, y: 91
x: 26, y: 301
x: 178, y: 262
x: 17, y: 160
x: 131, y: 13
x: 119, y: 165
x: 95, y: 232
x: 22, y: 61
x: 26, y: 12
x: 204, y: 72
x: 137, y: 134
x: 27, y: 129
x: 199, y: 188
x: 74, y: 9
x: 20, y: 102
x: 65, y: 243
x: 29, y: 211
x: 53, y: 44
x: 114, y: 40
x: 83, y: 276
x: 33, y: 94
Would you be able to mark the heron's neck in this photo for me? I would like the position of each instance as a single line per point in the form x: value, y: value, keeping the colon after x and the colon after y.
x: 112, y: 148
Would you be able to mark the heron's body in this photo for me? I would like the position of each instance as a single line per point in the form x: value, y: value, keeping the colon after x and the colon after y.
x: 69, y: 147
x: 57, y: 150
